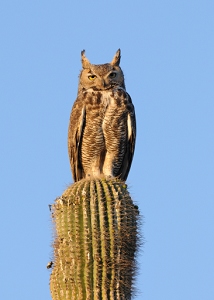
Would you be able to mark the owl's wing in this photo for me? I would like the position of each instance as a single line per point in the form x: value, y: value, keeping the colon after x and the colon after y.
x: 131, y: 137
x: 75, y: 133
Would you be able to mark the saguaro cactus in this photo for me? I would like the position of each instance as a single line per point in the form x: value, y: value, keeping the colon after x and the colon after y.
x: 95, y: 242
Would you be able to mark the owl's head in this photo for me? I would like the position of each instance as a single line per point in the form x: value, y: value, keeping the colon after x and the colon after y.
x: 101, y: 77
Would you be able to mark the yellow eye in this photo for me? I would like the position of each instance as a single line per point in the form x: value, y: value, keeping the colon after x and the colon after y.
x: 92, y: 77
x: 112, y: 75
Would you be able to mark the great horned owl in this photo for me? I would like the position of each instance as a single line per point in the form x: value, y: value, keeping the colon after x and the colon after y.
x: 102, y: 129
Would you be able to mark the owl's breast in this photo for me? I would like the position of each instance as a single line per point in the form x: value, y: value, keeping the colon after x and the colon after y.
x: 117, y: 102
x: 96, y: 103
x: 99, y: 104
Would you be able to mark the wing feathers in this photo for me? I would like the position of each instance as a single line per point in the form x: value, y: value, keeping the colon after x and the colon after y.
x: 75, y: 134
x: 131, y: 137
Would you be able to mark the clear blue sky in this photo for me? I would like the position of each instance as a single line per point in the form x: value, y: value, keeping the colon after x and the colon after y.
x: 168, y: 60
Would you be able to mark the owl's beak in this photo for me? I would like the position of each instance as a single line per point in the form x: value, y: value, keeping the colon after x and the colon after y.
x: 104, y: 83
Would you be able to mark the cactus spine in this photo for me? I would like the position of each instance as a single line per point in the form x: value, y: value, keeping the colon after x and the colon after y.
x: 95, y: 242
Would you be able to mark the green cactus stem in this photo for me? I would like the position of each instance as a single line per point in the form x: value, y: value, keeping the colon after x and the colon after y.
x: 95, y: 242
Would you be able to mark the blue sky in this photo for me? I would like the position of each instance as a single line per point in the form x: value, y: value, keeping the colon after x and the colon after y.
x: 167, y: 57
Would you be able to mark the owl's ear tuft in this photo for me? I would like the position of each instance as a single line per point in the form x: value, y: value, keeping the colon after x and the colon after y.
x: 116, y: 59
x: 85, y: 61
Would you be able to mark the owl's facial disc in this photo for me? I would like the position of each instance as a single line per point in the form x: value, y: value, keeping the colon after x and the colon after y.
x: 101, y: 82
x: 101, y: 77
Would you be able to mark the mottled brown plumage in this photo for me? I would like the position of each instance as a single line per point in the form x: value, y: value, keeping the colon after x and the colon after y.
x: 102, y: 129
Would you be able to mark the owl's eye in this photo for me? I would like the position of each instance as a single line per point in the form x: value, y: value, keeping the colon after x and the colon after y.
x: 112, y: 75
x: 92, y: 77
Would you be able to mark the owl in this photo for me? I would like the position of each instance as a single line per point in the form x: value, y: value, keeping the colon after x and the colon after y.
x: 102, y: 128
